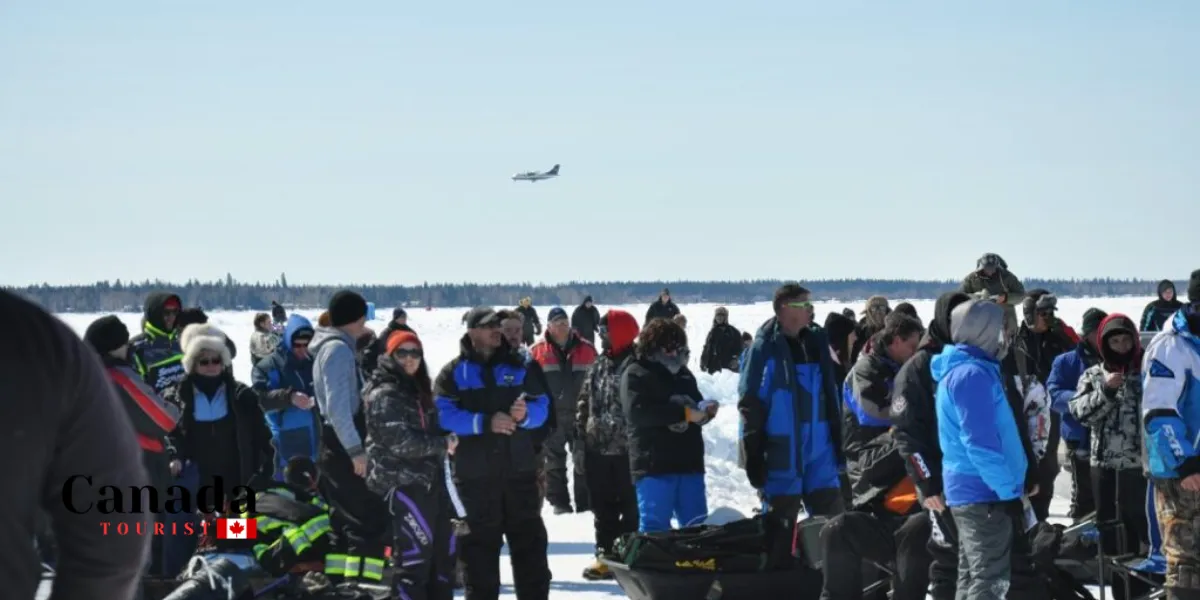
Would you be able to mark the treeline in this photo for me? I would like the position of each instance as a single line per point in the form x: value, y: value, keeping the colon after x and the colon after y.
x: 234, y: 295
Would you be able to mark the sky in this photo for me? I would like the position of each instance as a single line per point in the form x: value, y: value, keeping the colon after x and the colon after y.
x: 374, y: 141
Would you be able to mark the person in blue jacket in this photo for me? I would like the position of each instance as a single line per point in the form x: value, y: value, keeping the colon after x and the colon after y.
x: 1171, y: 413
x: 790, y: 441
x: 983, y: 457
x: 1061, y: 384
x: 284, y: 382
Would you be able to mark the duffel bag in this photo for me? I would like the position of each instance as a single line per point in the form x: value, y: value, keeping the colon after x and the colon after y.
x: 735, y: 547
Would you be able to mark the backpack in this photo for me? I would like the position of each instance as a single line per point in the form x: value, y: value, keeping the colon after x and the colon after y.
x: 735, y: 547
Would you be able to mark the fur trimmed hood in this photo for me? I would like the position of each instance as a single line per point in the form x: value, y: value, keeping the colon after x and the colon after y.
x: 199, y: 337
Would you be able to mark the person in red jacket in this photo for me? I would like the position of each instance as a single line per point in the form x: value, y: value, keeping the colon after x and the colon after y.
x: 565, y: 358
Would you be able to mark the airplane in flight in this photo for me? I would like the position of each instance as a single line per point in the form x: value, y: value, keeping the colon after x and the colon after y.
x: 536, y: 176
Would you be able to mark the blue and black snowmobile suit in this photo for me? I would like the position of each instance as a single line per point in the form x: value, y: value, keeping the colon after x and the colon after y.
x: 294, y: 432
x: 791, y: 445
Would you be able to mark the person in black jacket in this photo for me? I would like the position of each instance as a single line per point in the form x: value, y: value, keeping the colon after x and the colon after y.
x: 1040, y: 339
x: 378, y: 348
x: 406, y: 454
x: 585, y: 319
x: 1162, y: 308
x: 532, y: 325
x: 843, y: 335
x: 59, y: 418
x: 663, y: 413
x: 221, y: 427
x: 914, y: 417
x: 662, y: 308
x: 486, y: 397
x: 886, y: 523
x: 723, y: 345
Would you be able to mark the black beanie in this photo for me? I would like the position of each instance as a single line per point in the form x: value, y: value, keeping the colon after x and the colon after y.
x: 1194, y: 287
x: 107, y: 334
x: 1092, y: 319
x: 346, y: 307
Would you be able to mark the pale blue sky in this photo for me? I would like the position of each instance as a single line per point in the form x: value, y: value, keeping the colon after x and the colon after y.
x: 373, y: 141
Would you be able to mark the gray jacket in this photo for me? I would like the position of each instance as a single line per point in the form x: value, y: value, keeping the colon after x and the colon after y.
x: 337, y: 384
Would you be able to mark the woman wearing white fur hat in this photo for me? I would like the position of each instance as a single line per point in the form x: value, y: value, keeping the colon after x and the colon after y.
x: 221, y: 428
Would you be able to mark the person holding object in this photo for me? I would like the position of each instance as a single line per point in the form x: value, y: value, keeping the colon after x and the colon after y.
x: 284, y: 382
x: 406, y: 450
x: 358, y: 516
x: 664, y: 412
x: 486, y: 396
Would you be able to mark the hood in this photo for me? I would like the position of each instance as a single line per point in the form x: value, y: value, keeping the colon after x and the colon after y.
x: 953, y: 355
x: 980, y: 324
x: 622, y: 331
x: 295, y: 324
x: 1112, y: 325
x: 324, y: 335
x: 1165, y: 285
x: 939, y: 327
x: 152, y: 311
x: 199, y: 337
x: 838, y: 328
x: 587, y: 299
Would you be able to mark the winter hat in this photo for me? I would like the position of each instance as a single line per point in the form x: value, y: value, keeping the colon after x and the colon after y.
x: 1092, y: 319
x: 876, y: 302
x: 1194, y: 287
x: 107, y: 334
x: 1115, y: 324
x: 721, y: 311
x: 556, y: 313
x: 199, y: 337
x: 622, y: 330
x: 346, y: 307
x: 401, y: 337
x: 190, y: 316
x: 481, y: 316
x: 398, y: 313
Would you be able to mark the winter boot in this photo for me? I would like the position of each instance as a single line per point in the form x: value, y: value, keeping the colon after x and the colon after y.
x: 597, y: 571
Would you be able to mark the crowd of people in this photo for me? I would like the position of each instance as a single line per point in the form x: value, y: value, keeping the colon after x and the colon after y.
x: 930, y: 446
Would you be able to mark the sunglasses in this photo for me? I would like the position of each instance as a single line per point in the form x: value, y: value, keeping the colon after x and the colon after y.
x: 408, y: 353
x: 209, y: 362
x: 301, y: 343
x: 804, y: 304
x: 170, y: 312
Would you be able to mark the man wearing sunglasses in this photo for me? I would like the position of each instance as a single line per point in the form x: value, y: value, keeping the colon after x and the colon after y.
x: 1040, y: 339
x: 155, y: 352
x: 284, y: 383
x: 791, y: 445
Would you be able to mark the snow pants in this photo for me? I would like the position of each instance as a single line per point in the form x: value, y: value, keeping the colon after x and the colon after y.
x: 1179, y: 517
x: 283, y: 554
x: 500, y: 510
x: 781, y: 515
x: 613, y: 498
x: 659, y: 497
x: 1121, y: 504
x: 943, y: 572
x: 358, y: 517
x: 561, y: 442
x: 854, y: 537
x: 423, y: 546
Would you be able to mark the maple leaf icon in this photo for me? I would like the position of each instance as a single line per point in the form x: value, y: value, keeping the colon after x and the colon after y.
x: 236, y: 528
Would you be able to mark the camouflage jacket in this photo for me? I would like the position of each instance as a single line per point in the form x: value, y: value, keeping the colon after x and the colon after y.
x: 406, y: 445
x: 1114, y: 417
x: 600, y: 416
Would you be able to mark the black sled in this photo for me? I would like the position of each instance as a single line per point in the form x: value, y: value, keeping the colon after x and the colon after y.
x: 713, y: 562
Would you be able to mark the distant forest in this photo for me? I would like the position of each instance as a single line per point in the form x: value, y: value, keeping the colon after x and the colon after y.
x: 231, y: 294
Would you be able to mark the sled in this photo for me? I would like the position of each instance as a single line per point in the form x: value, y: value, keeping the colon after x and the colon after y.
x: 639, y: 584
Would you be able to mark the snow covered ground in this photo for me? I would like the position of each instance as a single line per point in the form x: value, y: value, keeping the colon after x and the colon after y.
x: 571, y: 535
